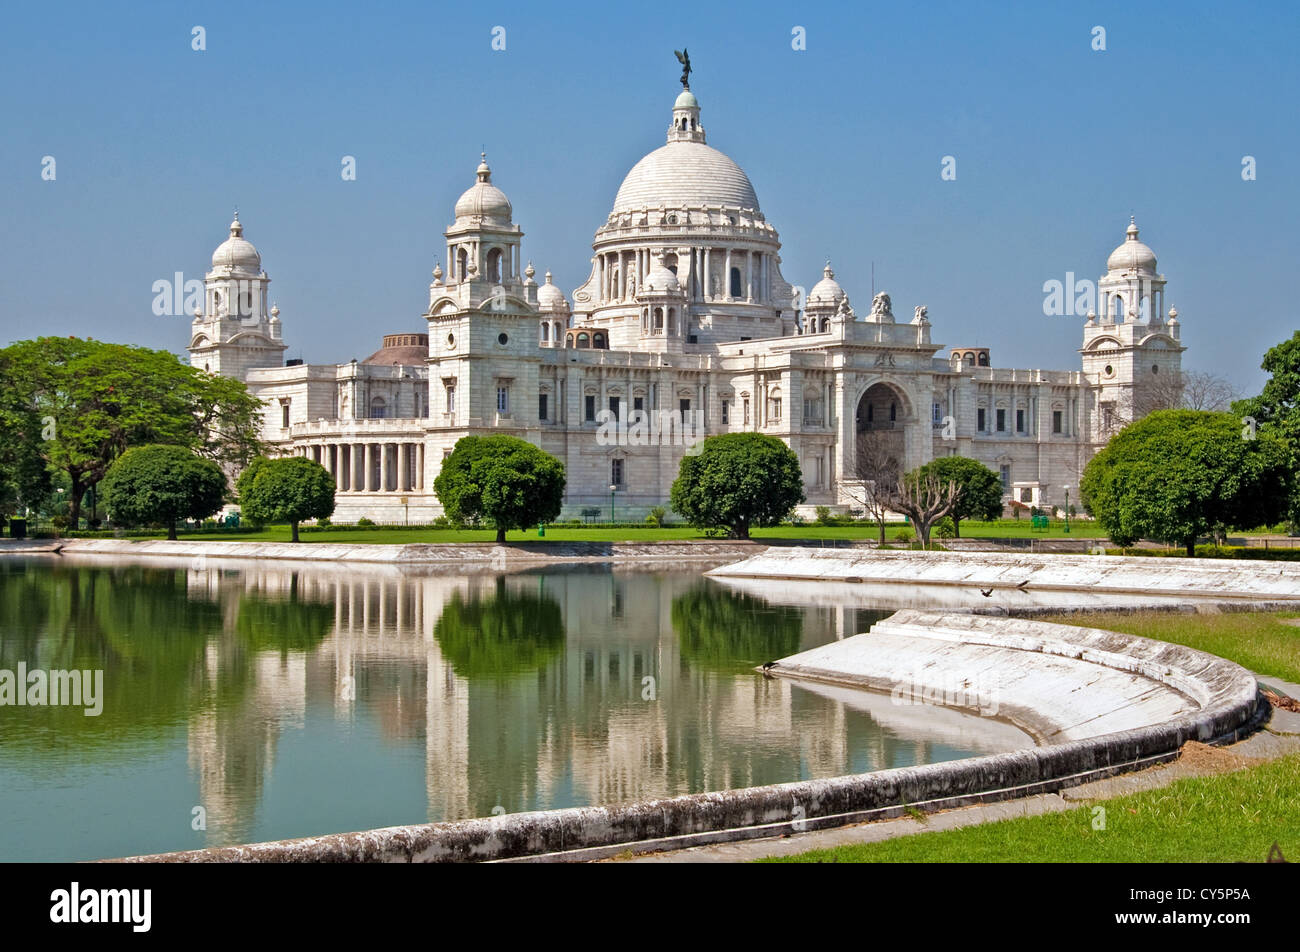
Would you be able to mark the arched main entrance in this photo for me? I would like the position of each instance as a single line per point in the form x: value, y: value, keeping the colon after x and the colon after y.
x: 879, y: 446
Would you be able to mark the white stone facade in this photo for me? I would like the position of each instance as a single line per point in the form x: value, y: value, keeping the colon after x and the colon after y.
x: 686, y: 312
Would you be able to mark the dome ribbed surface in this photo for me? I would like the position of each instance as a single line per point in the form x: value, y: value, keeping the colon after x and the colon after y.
x: 685, y: 173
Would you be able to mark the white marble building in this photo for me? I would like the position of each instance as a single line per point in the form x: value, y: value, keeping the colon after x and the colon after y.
x: 685, y: 311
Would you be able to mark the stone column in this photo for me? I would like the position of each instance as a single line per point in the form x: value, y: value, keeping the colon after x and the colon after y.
x: 367, y: 466
x: 726, y: 277
x: 383, y: 467
x: 749, y: 276
x: 705, y: 275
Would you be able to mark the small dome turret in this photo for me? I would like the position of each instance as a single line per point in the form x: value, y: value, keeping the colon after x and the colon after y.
x: 483, y: 201
x: 237, y: 253
x: 1132, y: 255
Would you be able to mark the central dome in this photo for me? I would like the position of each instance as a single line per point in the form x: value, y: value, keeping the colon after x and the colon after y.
x: 685, y: 174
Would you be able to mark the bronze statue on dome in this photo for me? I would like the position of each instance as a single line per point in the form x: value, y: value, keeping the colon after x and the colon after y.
x: 685, y: 59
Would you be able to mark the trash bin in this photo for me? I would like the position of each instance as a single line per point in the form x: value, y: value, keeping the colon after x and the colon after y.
x: 541, y: 531
x: 18, y: 528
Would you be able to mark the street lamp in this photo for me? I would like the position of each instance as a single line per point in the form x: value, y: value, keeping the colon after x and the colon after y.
x: 613, y: 488
x: 1067, y: 509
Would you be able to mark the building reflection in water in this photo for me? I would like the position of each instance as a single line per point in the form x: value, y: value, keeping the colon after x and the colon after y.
x: 528, y: 690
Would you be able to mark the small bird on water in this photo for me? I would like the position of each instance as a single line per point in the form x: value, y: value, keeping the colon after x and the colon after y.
x: 767, y: 668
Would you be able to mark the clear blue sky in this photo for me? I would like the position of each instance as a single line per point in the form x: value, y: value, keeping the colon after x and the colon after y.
x: 1056, y: 145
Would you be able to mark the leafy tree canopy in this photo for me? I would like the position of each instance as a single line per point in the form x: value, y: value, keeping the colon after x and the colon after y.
x: 162, y: 484
x: 504, y: 480
x: 1277, y: 407
x: 77, y: 405
x: 1179, y: 474
x: 289, y: 490
x: 738, y: 481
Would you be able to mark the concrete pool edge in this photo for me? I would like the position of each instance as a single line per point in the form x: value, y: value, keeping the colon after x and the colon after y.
x: 1233, y: 708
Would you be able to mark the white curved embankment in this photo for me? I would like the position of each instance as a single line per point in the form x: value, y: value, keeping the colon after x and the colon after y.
x: 1215, y: 579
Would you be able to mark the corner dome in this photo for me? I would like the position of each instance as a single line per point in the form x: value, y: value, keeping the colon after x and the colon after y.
x: 551, y: 298
x: 827, y: 290
x: 483, y: 200
x: 236, y: 252
x: 660, y: 279
x: 1132, y: 255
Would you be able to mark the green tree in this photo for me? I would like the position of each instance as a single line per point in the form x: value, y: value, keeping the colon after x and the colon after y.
x: 289, y: 490
x: 1178, y: 474
x: 979, y: 489
x: 77, y: 405
x: 162, y: 484
x: 738, y: 481
x: 505, y: 480
x: 1277, y: 408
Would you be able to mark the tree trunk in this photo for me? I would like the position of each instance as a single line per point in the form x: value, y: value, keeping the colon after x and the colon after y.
x: 501, y: 535
x: 74, y: 503
x: 171, y: 530
x: 1191, y: 547
x: 740, y: 530
x: 294, y: 527
x: 882, y: 531
x: 956, y: 528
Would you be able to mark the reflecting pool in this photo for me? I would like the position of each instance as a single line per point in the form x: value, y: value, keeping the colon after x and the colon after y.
x: 256, y: 701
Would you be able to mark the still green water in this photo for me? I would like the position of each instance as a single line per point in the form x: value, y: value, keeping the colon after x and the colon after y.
x: 265, y: 702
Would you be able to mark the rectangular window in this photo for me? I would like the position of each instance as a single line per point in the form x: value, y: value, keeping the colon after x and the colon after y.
x: 937, y: 417
x: 981, y: 424
x: 726, y: 411
x: 1006, y: 478
x: 616, y: 472
x: 745, y: 406
x: 613, y: 406
x: 590, y: 408
x: 503, y: 399
x: 638, y: 403
x: 776, y: 408
x: 451, y: 398
x: 541, y: 406
x: 1058, y: 422
x: 1020, y: 421
x: 284, y: 414
x: 1002, y: 420
x: 684, y: 406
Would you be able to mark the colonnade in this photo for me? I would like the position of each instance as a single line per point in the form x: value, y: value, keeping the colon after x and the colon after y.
x: 370, y: 467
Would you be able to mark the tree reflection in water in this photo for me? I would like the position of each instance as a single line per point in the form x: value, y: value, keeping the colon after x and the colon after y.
x: 502, y: 634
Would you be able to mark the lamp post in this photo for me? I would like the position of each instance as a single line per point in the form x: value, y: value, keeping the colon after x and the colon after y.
x: 1067, y: 509
x: 613, y: 488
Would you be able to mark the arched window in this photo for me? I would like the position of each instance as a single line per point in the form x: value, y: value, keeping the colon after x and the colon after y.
x: 462, y: 263
x: 968, y: 359
x: 659, y: 319
x: 584, y: 341
x: 672, y: 321
x: 893, y: 412
x: 546, y: 332
x: 557, y: 332
x: 735, y: 282
x: 826, y: 324
x: 598, y: 340
x: 378, y: 408
x: 1117, y: 309
x: 494, y: 265
x: 984, y: 360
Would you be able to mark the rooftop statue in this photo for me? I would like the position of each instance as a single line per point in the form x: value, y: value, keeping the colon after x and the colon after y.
x: 685, y: 59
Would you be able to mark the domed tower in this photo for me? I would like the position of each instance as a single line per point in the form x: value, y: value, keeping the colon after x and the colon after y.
x: 1129, y: 351
x: 234, y: 332
x: 691, y: 207
x: 482, y: 307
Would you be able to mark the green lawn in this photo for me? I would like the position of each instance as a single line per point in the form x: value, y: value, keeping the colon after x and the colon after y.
x: 1000, y: 529
x: 1223, y: 818
x: 1259, y: 641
